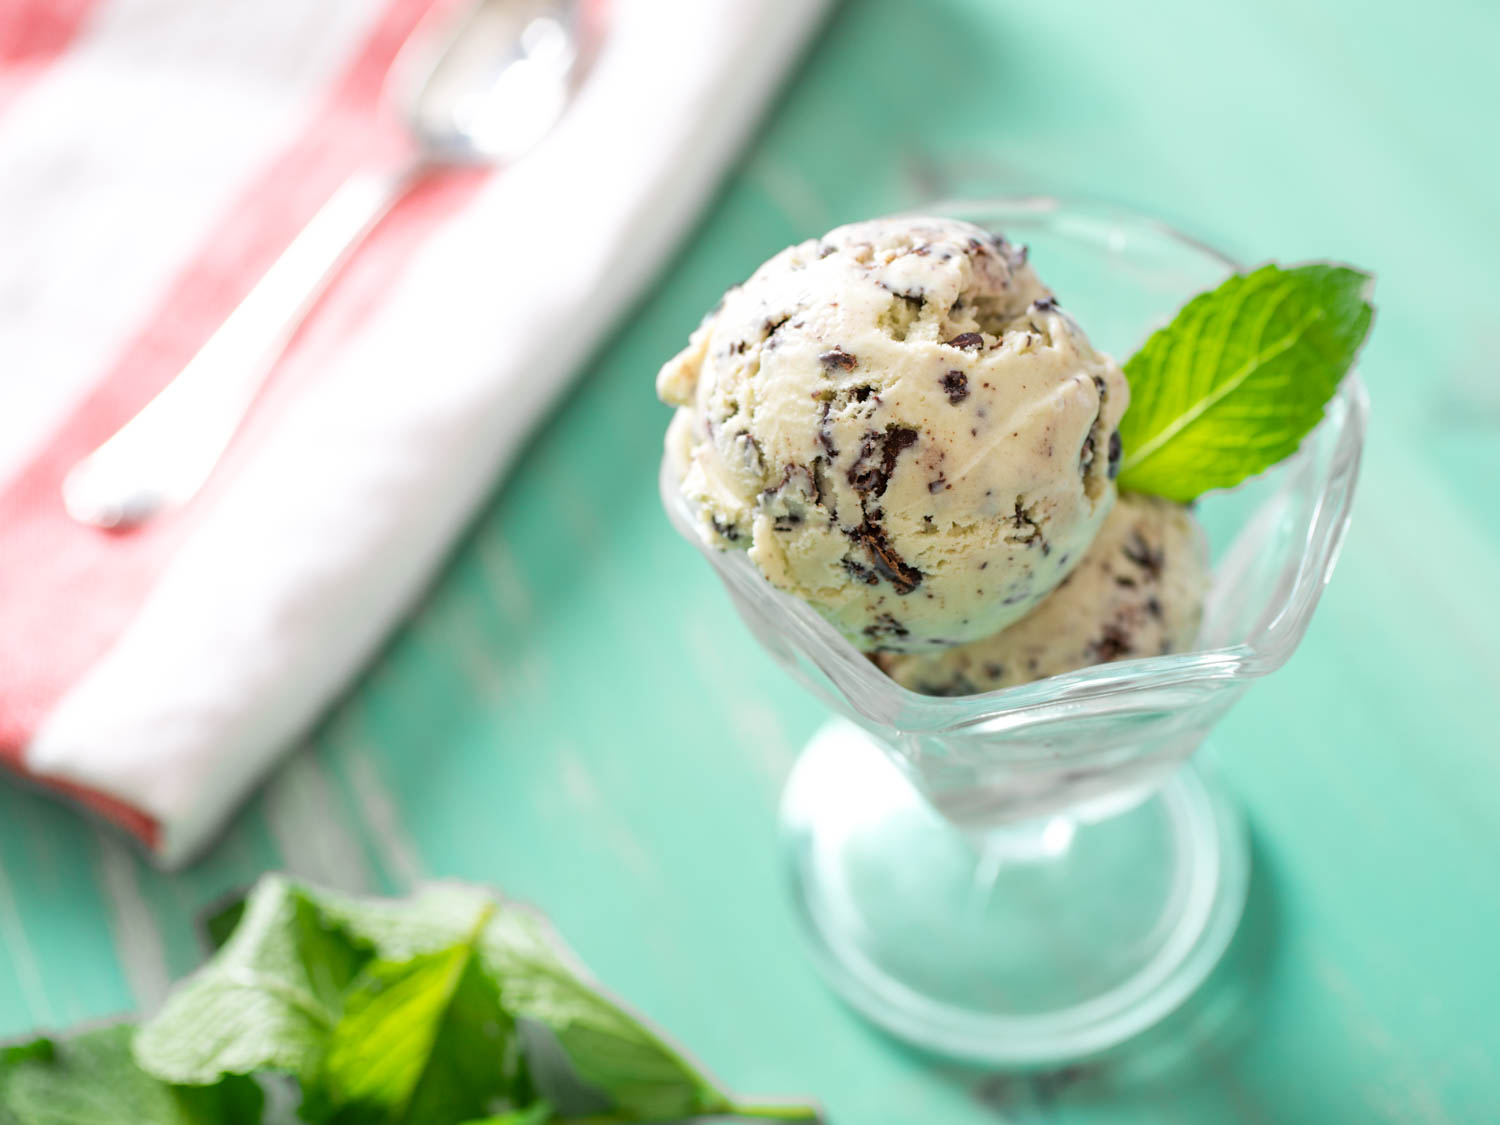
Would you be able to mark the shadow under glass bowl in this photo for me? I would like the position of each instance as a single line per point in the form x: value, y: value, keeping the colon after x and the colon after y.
x: 1034, y: 875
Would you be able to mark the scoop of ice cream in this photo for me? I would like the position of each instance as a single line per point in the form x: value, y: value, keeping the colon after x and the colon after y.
x: 1138, y: 592
x: 902, y: 427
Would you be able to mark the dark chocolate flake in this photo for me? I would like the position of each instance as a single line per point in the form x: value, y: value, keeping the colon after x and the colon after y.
x: 970, y: 341
x: 1027, y: 529
x: 1086, y: 456
x: 883, y: 557
x: 819, y: 484
x: 1138, y: 551
x: 726, y: 531
x: 788, y: 472
x: 958, y: 684
x: 885, y: 626
x: 825, y: 429
x: 750, y: 452
x: 1112, y: 644
x: 837, y: 358
x: 956, y: 384
x: 872, y: 469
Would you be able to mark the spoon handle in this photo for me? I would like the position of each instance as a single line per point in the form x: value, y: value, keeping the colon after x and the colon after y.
x: 160, y: 458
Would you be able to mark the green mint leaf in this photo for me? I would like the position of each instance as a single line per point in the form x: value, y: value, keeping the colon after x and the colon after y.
x: 439, y: 1008
x: 1239, y: 377
x: 539, y: 1114
x: 268, y: 1000
x: 612, y: 1051
x: 39, y: 1050
x: 436, y: 917
x: 219, y: 922
x: 635, y: 1070
x: 424, y: 1041
x: 92, y: 1079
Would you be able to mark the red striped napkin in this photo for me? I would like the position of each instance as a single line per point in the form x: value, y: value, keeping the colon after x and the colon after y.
x: 159, y: 155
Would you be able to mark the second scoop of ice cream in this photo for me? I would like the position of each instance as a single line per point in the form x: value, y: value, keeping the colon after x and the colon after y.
x: 902, y: 428
x: 1138, y: 592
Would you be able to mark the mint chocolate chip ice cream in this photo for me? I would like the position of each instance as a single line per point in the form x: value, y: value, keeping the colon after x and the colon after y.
x: 899, y: 424
x: 1138, y: 592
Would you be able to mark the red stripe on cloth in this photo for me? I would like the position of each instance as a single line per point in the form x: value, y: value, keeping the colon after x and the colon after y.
x: 33, y: 33
x: 67, y: 592
x: 346, y: 307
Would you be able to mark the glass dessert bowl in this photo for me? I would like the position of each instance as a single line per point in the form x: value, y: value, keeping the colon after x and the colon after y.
x: 1036, y: 874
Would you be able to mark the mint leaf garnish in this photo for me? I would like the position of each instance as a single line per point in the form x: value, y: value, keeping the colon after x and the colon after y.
x: 1239, y: 377
x: 424, y: 1039
x: 445, y: 1007
x: 91, y: 1079
x: 540, y: 980
x: 267, y: 1001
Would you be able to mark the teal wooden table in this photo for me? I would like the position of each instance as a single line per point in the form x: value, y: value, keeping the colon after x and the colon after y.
x: 574, y: 713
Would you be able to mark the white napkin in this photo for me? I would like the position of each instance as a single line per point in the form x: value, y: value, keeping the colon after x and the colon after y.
x: 330, y: 527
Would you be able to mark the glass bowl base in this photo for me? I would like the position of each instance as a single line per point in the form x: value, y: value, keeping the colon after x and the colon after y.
x: 1028, y: 946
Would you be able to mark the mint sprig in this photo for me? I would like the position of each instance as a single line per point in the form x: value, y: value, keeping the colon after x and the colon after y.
x: 1239, y: 377
x: 444, y: 1008
x: 268, y: 1000
x: 424, y: 1039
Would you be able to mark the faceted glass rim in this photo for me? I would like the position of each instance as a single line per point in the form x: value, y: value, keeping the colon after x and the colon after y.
x: 879, y: 699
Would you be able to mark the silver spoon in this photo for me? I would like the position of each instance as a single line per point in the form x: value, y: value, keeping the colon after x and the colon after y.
x: 502, y: 74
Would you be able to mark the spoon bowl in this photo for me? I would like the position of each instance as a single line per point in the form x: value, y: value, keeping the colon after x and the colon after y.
x: 488, y: 86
